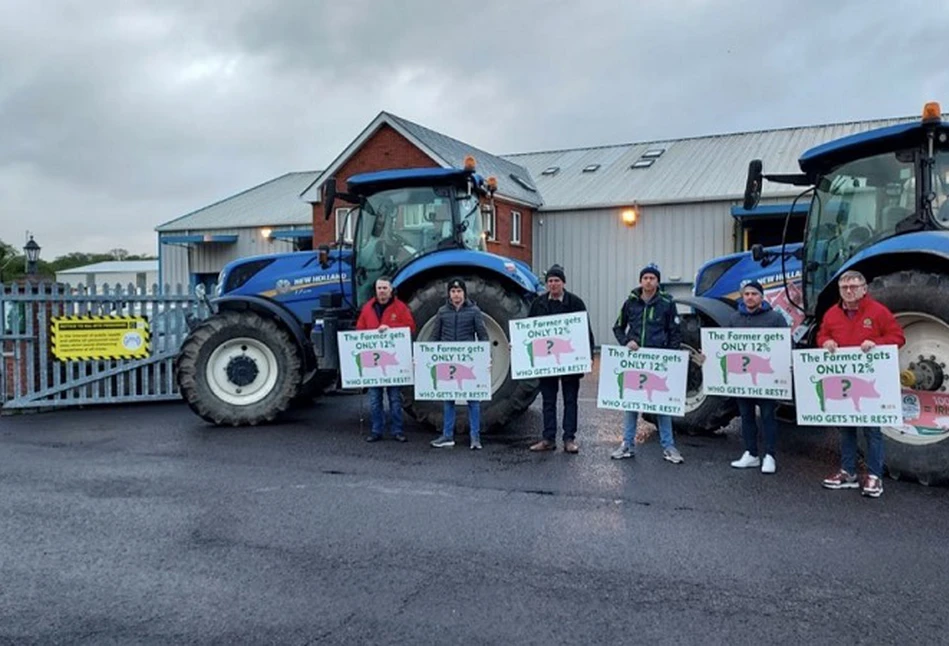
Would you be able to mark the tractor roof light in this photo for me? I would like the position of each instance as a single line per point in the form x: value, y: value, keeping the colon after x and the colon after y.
x: 492, y: 183
x: 932, y: 113
x: 469, y: 162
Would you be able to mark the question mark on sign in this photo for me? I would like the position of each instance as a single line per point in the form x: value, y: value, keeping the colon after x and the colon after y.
x: 642, y: 379
x: 550, y: 344
x: 375, y: 358
x: 452, y: 369
x: 745, y: 360
x: 846, y: 383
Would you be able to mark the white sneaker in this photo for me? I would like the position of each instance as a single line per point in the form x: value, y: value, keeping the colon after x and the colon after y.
x: 768, y: 465
x: 747, y: 460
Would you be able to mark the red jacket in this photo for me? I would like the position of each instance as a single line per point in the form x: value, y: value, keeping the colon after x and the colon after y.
x: 873, y: 321
x: 396, y: 314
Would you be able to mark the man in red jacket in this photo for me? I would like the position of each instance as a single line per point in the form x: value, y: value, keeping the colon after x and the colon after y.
x: 858, y: 320
x: 381, y: 313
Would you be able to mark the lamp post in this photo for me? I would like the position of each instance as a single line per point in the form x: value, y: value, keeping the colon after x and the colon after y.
x: 32, y: 252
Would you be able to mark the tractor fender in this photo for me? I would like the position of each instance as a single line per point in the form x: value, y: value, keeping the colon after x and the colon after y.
x: 718, y: 311
x: 273, y: 309
x: 463, y: 261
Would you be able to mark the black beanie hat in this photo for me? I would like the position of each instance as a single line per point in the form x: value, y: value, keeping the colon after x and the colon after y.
x: 556, y: 271
x: 651, y: 268
x: 457, y: 282
x: 755, y: 285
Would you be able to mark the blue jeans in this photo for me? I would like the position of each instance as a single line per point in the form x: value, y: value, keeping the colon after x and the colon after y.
x: 474, y: 419
x: 664, y: 422
x: 848, y: 449
x: 377, y: 410
x: 749, y: 424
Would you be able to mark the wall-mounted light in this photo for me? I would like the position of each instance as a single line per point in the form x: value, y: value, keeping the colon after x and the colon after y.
x: 630, y: 216
x: 265, y: 233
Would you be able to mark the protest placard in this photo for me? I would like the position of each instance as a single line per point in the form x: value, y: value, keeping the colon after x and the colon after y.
x: 370, y: 358
x: 453, y: 371
x: 848, y: 387
x: 546, y: 346
x: 648, y: 380
x: 747, y: 362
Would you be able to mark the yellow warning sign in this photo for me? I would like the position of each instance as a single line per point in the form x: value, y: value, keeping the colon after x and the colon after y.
x: 78, y: 338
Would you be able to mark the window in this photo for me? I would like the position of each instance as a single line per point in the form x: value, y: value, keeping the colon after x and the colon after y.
x: 550, y: 170
x: 343, y: 220
x: 653, y: 153
x: 591, y: 168
x: 412, y: 215
x: 523, y: 183
x: 515, y: 227
x: 492, y: 232
x: 643, y: 163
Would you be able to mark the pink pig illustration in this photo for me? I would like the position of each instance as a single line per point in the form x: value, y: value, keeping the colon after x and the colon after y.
x: 853, y: 388
x: 375, y: 359
x: 451, y: 371
x: 641, y: 380
x: 741, y: 363
x: 545, y: 347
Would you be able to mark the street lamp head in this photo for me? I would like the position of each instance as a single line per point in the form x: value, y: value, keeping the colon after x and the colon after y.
x: 32, y: 250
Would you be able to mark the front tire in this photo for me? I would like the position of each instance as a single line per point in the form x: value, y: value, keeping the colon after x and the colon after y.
x: 704, y: 414
x: 509, y: 397
x: 238, y: 369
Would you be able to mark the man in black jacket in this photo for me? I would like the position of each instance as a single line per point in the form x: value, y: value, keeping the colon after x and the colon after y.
x: 648, y: 319
x: 558, y: 300
x: 755, y: 312
x: 459, y: 320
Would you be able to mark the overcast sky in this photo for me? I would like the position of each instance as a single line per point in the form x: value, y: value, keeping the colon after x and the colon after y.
x: 116, y: 116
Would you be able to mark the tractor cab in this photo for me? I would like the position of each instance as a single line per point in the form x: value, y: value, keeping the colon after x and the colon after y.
x: 402, y: 215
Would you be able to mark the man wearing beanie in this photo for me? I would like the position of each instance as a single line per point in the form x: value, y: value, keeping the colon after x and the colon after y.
x: 558, y: 300
x: 648, y: 319
x: 754, y: 311
x: 459, y: 320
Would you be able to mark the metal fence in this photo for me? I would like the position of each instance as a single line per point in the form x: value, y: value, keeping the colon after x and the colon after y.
x: 34, y: 375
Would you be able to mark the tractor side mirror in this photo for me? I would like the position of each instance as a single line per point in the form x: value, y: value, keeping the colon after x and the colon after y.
x: 753, y: 185
x: 329, y: 197
x: 757, y: 252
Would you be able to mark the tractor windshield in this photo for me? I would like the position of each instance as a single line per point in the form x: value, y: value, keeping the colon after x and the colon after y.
x: 855, y: 205
x: 396, y: 226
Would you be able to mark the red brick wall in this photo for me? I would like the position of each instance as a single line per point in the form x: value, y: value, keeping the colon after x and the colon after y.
x: 383, y: 150
x: 501, y: 244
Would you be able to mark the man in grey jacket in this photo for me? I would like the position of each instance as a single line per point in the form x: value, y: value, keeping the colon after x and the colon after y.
x: 459, y: 320
x: 754, y: 312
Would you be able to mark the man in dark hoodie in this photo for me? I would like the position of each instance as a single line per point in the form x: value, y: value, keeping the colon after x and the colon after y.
x: 755, y: 312
x: 459, y: 320
x: 558, y: 300
x: 648, y: 319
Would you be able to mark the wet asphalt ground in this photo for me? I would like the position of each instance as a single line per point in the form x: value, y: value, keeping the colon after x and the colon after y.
x: 143, y: 525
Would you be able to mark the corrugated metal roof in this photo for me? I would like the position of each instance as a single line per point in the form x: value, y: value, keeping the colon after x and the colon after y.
x: 454, y: 151
x: 690, y: 170
x: 115, y: 267
x: 273, y: 203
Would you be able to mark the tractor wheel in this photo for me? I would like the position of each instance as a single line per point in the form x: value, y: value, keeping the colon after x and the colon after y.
x: 509, y: 397
x: 920, y: 302
x: 238, y: 369
x: 704, y: 414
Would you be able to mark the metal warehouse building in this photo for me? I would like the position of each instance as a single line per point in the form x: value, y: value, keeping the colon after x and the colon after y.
x: 601, y: 212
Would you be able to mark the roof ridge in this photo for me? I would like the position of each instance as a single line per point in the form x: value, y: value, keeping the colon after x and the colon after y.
x: 669, y: 140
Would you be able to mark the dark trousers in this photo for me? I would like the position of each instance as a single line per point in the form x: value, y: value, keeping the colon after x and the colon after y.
x: 570, y: 384
x: 749, y: 424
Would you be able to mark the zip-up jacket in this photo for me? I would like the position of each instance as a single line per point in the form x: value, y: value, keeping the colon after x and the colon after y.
x: 652, y: 324
x: 764, y: 316
x: 872, y: 321
x: 465, y: 323
x: 395, y: 313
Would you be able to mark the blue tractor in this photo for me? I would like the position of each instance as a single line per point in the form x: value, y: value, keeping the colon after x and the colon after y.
x: 272, y: 337
x: 879, y: 204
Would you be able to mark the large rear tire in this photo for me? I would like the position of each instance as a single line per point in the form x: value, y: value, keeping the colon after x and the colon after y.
x: 238, y: 369
x: 704, y: 414
x: 920, y: 302
x: 509, y: 397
